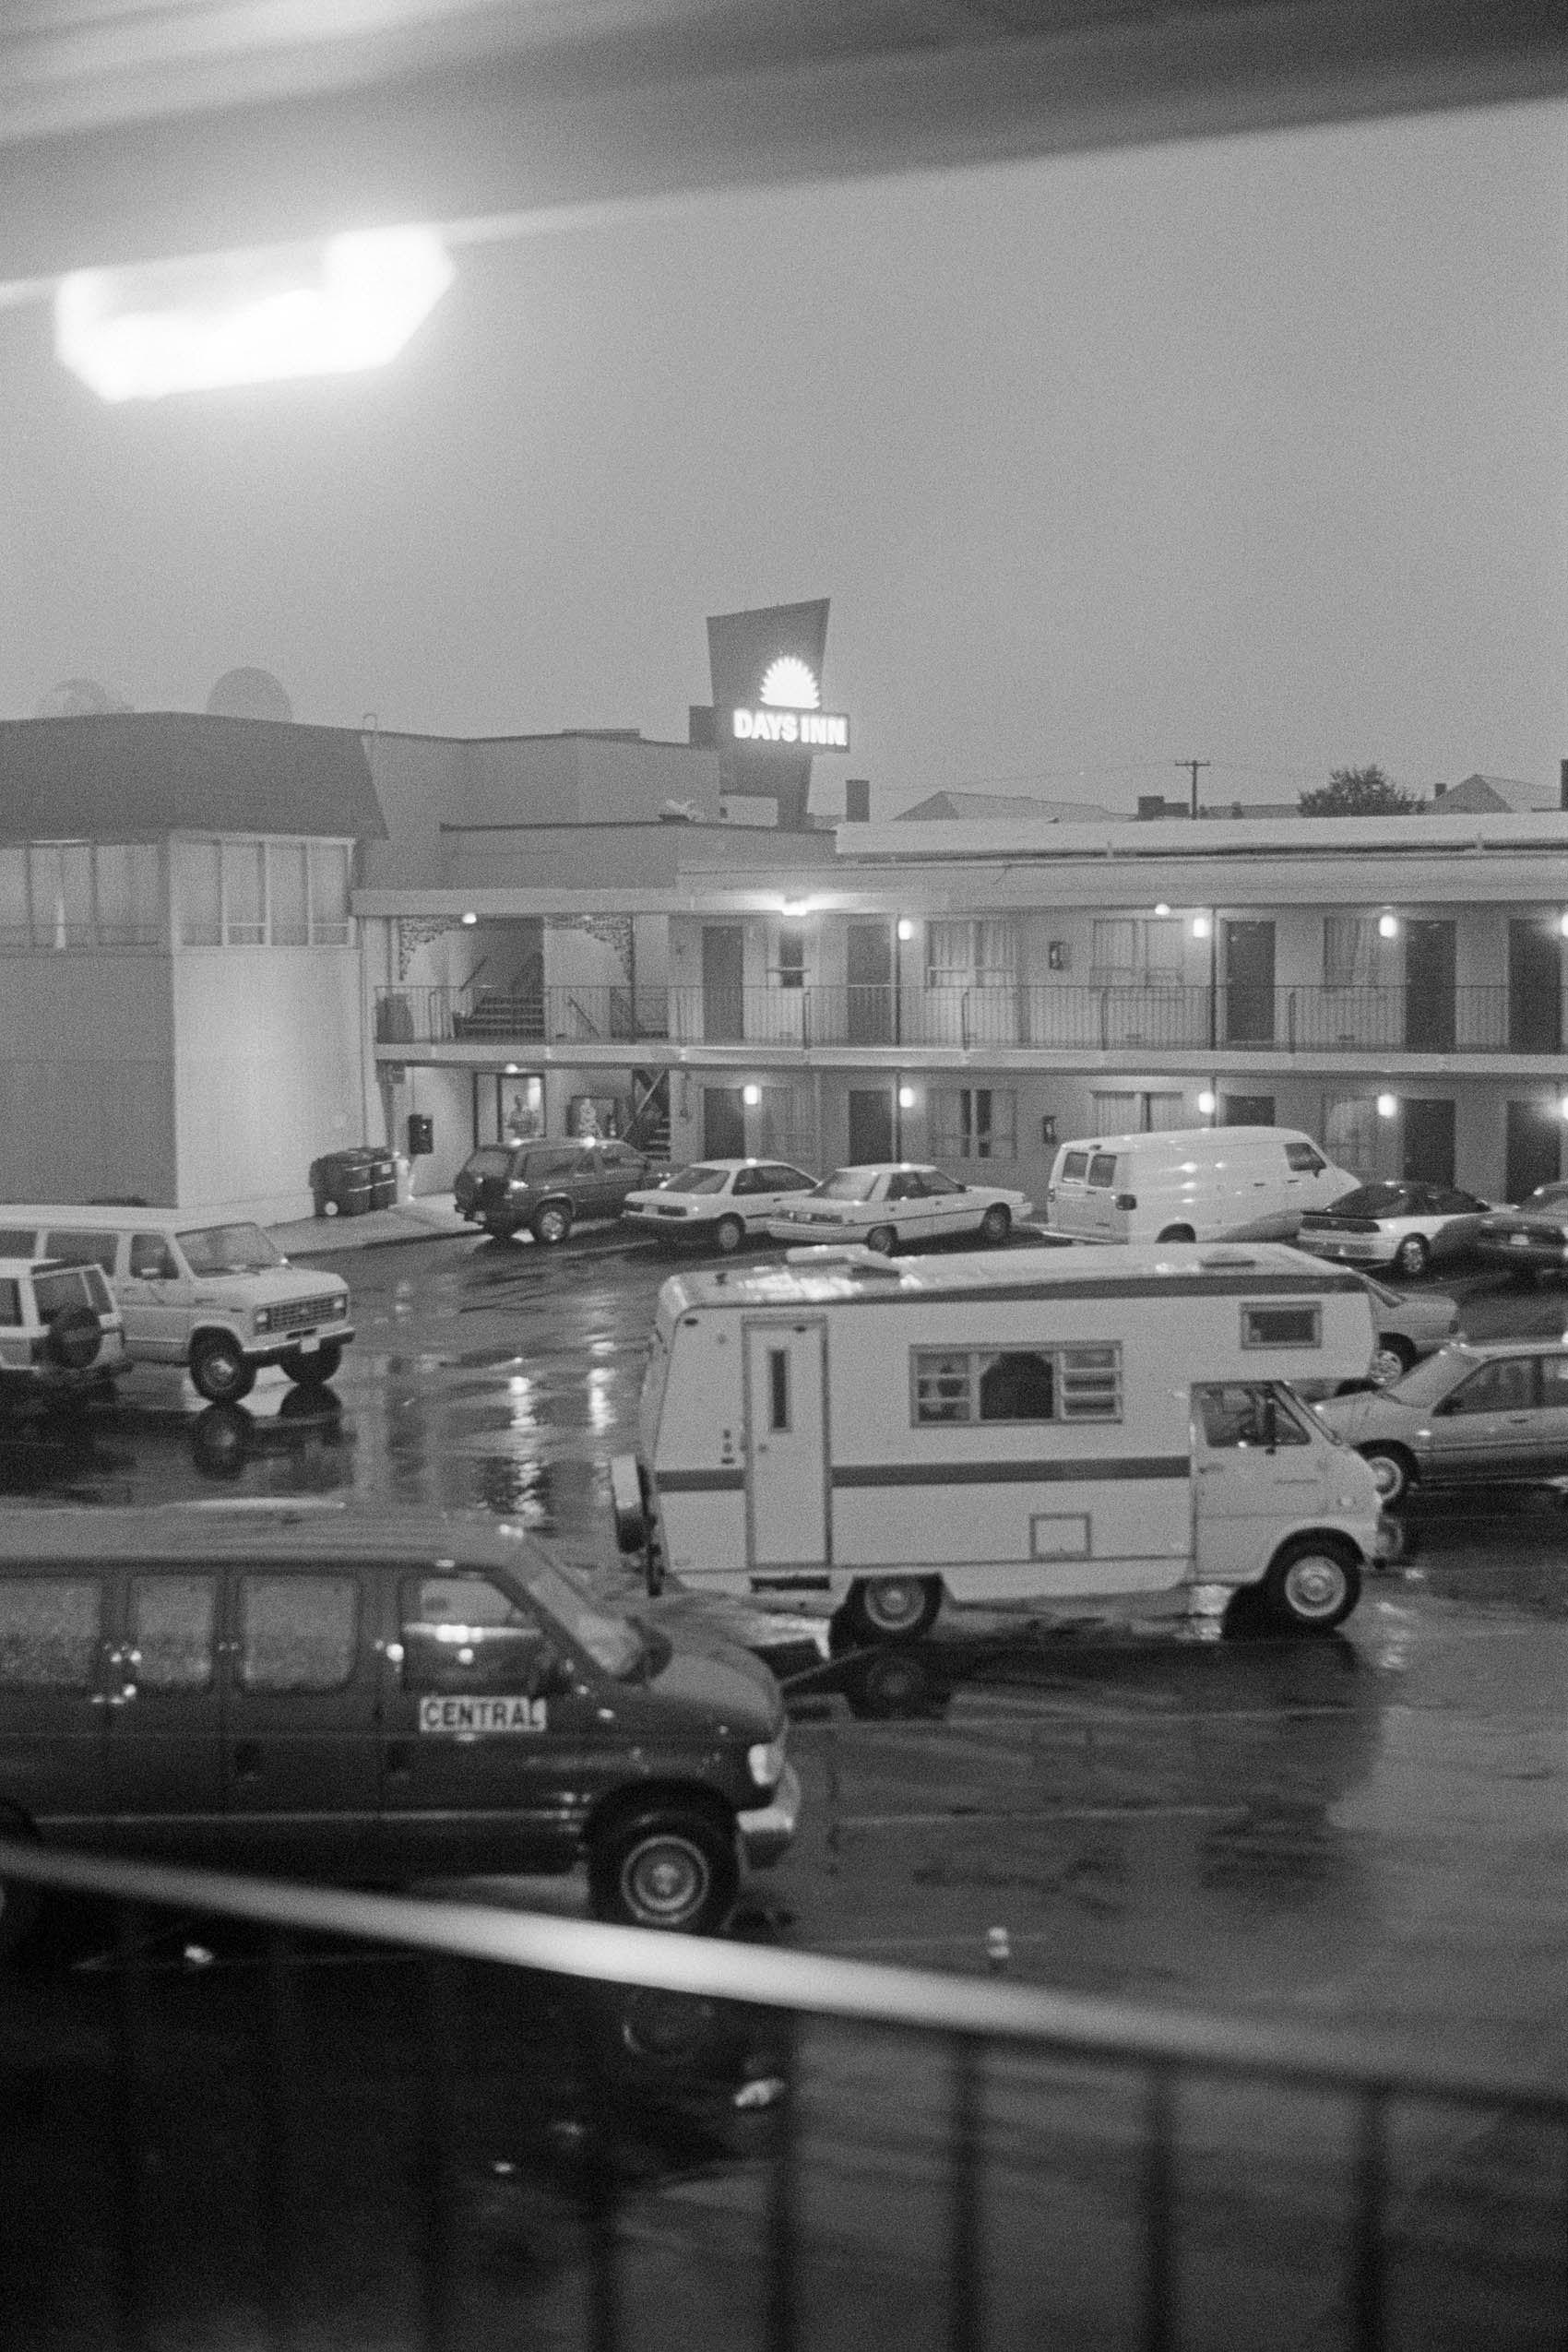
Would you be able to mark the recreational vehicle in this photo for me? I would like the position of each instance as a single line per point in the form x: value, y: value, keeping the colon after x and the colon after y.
x: 1054, y: 1427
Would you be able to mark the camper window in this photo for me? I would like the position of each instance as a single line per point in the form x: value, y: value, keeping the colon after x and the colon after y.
x: 1017, y: 1385
x: 1282, y: 1326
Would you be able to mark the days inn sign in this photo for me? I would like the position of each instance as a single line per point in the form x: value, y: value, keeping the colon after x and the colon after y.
x: 787, y: 713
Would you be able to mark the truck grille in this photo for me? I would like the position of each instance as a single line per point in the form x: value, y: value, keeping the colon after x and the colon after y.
x: 295, y: 1313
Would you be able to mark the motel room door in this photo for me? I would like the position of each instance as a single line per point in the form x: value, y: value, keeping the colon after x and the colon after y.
x: 785, y: 1375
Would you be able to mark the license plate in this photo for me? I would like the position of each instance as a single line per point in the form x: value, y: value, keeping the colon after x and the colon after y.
x: 310, y: 1343
x: 1518, y: 1240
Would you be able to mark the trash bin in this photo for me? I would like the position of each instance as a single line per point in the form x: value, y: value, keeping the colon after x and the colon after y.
x: 340, y: 1182
x: 383, y: 1172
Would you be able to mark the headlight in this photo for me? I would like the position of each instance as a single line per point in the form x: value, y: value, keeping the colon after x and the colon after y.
x: 264, y: 1318
x: 339, y: 1305
x: 765, y: 1761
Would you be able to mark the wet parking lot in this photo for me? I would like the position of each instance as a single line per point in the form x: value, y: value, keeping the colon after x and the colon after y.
x: 1363, y: 1830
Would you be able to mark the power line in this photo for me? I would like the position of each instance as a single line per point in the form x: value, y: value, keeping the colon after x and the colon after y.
x: 1195, y: 764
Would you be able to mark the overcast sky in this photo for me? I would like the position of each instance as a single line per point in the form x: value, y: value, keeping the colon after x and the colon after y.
x: 1254, y: 451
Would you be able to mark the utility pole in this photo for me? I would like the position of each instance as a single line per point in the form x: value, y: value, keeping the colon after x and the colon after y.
x: 1195, y: 764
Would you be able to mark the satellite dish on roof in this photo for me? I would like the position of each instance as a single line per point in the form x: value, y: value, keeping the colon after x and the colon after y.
x: 78, y: 698
x: 248, y: 694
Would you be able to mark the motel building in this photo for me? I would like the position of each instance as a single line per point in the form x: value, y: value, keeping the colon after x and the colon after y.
x: 229, y: 945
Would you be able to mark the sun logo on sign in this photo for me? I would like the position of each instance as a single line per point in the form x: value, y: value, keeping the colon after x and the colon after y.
x: 788, y: 684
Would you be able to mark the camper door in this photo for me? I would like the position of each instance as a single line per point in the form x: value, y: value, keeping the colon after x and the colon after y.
x: 787, y: 1469
x: 1256, y: 1465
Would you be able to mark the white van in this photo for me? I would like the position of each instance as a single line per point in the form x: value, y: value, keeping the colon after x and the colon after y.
x: 194, y: 1290
x: 1190, y: 1184
x: 1047, y: 1428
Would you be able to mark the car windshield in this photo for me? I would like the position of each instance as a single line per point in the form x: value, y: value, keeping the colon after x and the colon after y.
x: 229, y: 1248
x: 696, y: 1179
x: 612, y: 1641
x: 1432, y: 1378
x: 846, y: 1184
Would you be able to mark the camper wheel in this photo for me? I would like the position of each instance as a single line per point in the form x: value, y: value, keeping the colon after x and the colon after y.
x: 891, y: 1608
x: 1313, y: 1583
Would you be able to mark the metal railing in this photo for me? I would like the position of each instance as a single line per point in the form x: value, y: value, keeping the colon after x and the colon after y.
x: 1057, y: 2136
x: 1068, y: 1016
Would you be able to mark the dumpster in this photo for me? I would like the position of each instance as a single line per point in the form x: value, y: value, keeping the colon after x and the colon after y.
x: 382, y: 1170
x: 340, y: 1182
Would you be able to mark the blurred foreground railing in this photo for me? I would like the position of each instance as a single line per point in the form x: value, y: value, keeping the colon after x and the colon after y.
x: 986, y: 2094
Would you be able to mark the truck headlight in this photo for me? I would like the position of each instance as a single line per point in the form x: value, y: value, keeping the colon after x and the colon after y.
x: 263, y: 1318
x: 765, y: 1761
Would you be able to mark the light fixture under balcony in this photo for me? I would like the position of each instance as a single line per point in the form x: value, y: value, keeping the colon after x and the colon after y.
x: 751, y: 1097
x: 1388, y: 1105
x: 1208, y: 1103
x: 1203, y: 926
x: 907, y: 1097
x: 1388, y: 926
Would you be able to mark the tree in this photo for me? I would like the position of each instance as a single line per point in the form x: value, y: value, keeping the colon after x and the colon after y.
x: 1358, y: 792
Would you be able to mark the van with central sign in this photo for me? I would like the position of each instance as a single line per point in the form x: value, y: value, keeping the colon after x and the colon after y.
x: 376, y: 1699
x: 1190, y: 1184
x: 1056, y: 1428
x: 214, y: 1295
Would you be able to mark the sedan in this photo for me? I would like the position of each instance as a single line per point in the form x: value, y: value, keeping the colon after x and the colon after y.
x: 1409, y: 1324
x: 1471, y: 1415
x: 718, y: 1202
x: 1531, y: 1239
x: 1405, y: 1225
x: 890, y: 1202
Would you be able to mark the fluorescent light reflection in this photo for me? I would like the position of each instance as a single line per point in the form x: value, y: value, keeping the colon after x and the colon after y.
x: 326, y: 308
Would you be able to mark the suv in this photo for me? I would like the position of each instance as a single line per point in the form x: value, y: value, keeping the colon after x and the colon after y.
x: 374, y: 1699
x: 60, y: 1330
x: 547, y: 1187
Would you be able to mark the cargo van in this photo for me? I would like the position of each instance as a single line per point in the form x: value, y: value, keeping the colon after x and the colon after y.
x: 371, y: 1699
x: 196, y: 1290
x: 1190, y: 1184
x: 866, y: 1435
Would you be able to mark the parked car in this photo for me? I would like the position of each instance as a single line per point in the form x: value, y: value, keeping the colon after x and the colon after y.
x: 546, y: 1188
x: 220, y: 1298
x: 1410, y: 1324
x: 717, y: 1201
x: 889, y: 1202
x: 409, y: 1699
x: 1531, y: 1239
x: 60, y: 1330
x: 1404, y: 1225
x: 1473, y: 1414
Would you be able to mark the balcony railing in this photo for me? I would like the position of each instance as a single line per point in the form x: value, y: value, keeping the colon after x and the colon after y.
x: 426, y: 2125
x: 1067, y: 1018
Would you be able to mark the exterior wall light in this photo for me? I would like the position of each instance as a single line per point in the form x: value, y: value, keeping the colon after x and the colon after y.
x: 1388, y: 1105
x: 470, y: 918
x: 1388, y: 926
x: 1162, y: 909
x: 1562, y: 924
x: 751, y: 1097
x: 1562, y: 1107
x: 795, y: 909
x: 1203, y: 926
x: 905, y: 929
x: 1208, y: 1103
x: 906, y: 1098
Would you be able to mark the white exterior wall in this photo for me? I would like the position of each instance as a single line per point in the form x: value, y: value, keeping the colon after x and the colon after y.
x: 87, y: 1077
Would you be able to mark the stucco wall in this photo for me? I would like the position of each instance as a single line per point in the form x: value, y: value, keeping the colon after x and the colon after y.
x: 87, y: 1088
x: 269, y: 1072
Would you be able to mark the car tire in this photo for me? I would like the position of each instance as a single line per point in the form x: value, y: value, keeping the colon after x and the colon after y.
x: 73, y: 1340
x: 1392, y: 1357
x: 1412, y: 1257
x: 1313, y: 1584
x: 221, y: 1371
x: 315, y: 1370
x: 1177, y: 1233
x: 996, y: 1224
x: 882, y: 1239
x: 551, y: 1224
x: 890, y: 1609
x: 728, y: 1235
x: 675, y: 1870
x: 1393, y: 1469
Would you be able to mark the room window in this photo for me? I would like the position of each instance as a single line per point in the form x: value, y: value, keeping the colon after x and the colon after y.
x: 974, y: 1122
x: 1350, y: 951
x: 982, y: 954
x: 197, y: 896
x: 973, y: 1384
x: 328, y: 894
x: 1136, y: 952
x: 244, y: 894
x: 288, y: 886
x: 792, y: 967
x: 60, y: 877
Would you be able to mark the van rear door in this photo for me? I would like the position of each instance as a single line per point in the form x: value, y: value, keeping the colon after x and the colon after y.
x: 1084, y: 1194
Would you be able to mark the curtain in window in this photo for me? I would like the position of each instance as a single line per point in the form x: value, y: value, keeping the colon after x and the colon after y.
x: 61, y: 875
x: 996, y: 953
x: 328, y: 893
x: 1349, y: 1133
x: 1115, y: 948
x: 1349, y: 950
x: 129, y: 914
x: 197, y: 900
x: 948, y: 950
x: 289, y: 888
x: 1114, y: 1114
x: 244, y: 894
x: 1162, y: 948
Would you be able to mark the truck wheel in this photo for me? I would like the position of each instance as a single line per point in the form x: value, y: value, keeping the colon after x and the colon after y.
x: 313, y: 1370
x: 1412, y: 1257
x: 891, y: 1608
x: 551, y: 1224
x: 728, y: 1234
x: 221, y: 1371
x: 996, y: 1224
x: 664, y: 1869
x: 1393, y: 1469
x: 1312, y: 1585
x: 882, y: 1239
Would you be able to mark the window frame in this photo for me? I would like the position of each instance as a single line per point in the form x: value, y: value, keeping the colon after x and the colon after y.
x: 978, y: 1356
x: 1252, y: 1344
